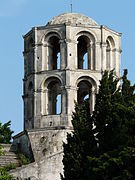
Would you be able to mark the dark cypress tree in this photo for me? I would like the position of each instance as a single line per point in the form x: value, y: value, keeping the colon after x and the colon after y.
x: 115, y: 129
x: 80, y: 144
x: 112, y: 154
x: 105, y: 115
x: 128, y: 115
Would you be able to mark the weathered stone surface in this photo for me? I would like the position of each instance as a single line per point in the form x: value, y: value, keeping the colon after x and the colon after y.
x: 8, y: 157
x: 72, y: 18
x: 45, y: 169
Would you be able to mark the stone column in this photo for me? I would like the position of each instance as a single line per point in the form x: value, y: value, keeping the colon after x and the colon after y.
x: 36, y: 111
x: 118, y: 61
x: 91, y: 53
x: 37, y: 102
x: 44, y: 102
x: 71, y: 54
x: 76, y: 55
x: 111, y: 60
x: 97, y: 56
x: 49, y: 56
x: 71, y: 97
x: 114, y: 60
x: 64, y: 101
x: 35, y: 69
x: 63, y: 50
x: 89, y: 56
x: 103, y: 60
x: 44, y: 56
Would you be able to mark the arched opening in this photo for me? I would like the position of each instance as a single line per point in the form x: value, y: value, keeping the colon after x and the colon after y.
x: 53, y: 53
x: 84, y: 52
x: 84, y: 91
x: 54, y: 97
x: 110, y: 56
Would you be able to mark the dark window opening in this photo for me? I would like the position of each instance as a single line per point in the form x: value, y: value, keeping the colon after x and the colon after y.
x: 84, y: 53
x: 54, y: 98
x: 84, y: 91
x: 54, y: 53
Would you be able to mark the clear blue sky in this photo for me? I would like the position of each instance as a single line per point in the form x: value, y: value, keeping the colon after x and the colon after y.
x: 17, y: 17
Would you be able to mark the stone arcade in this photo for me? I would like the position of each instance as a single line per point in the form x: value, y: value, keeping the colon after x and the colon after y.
x: 63, y: 62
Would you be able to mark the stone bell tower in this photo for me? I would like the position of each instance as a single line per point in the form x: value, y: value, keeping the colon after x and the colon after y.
x: 63, y: 62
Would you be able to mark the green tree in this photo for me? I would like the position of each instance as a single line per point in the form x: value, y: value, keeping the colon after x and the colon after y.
x: 114, y: 119
x: 105, y: 115
x: 5, y: 133
x: 114, y: 130
x: 4, y: 174
x: 128, y: 115
x: 77, y: 148
x: 5, y: 138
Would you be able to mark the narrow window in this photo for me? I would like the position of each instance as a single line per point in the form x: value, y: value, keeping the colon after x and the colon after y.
x: 83, y: 93
x: 54, y: 97
x: 58, y: 104
x: 84, y: 52
x: 58, y: 60
x: 53, y: 53
x: 85, y: 61
x: 86, y: 97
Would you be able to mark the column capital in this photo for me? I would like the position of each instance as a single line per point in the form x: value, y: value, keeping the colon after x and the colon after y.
x: 98, y: 43
x: 117, y: 50
x: 93, y: 90
x: 44, y: 90
x: 46, y: 44
x: 92, y: 43
x: 61, y: 41
x: 70, y: 88
x: 103, y: 44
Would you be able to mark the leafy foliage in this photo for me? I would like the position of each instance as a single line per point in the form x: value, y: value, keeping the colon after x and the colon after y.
x: 2, y: 152
x: 5, y: 138
x: 5, y: 133
x: 4, y: 175
x: 23, y: 160
x: 113, y: 165
x: 109, y: 148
